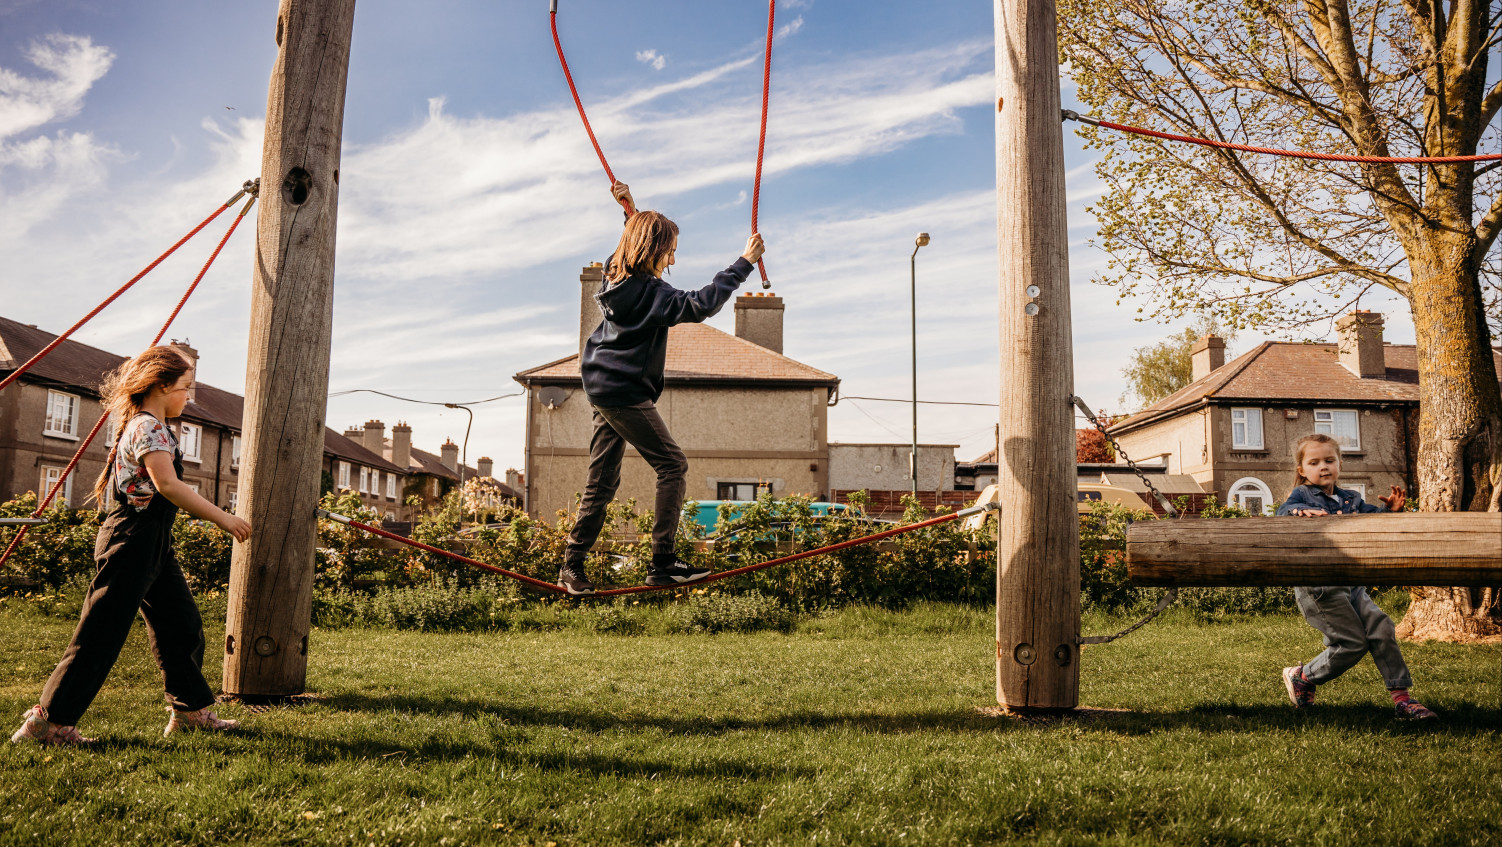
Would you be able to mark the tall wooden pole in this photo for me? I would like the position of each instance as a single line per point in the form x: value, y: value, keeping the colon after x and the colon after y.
x: 287, y: 367
x: 1038, y: 545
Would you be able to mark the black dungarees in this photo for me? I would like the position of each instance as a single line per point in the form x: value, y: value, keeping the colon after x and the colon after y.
x: 136, y: 568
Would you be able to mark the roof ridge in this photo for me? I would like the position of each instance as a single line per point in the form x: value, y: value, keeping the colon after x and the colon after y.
x: 1250, y: 356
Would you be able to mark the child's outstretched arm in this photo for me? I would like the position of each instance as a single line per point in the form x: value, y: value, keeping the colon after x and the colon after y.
x: 159, y: 466
x: 1394, y: 501
x: 675, y: 306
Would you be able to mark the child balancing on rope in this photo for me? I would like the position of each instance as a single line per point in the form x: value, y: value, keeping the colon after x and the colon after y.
x: 136, y: 565
x: 622, y: 368
x: 1352, y: 624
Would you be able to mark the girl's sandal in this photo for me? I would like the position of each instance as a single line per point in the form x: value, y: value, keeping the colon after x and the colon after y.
x: 41, y: 731
x: 200, y: 719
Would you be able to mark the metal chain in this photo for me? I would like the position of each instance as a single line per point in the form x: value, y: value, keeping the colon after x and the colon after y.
x: 1116, y: 445
x: 1163, y: 603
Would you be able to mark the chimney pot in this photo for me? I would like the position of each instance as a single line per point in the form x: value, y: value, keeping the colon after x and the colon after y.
x: 1361, y: 348
x: 449, y: 454
x: 1207, y: 356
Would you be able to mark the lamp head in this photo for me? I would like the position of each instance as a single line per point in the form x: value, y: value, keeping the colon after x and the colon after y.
x: 922, y: 239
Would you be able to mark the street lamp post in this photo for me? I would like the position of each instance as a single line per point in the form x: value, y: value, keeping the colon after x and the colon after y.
x: 464, y: 453
x: 921, y: 241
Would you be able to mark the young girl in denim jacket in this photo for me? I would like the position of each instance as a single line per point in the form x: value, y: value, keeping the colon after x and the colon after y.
x: 136, y: 564
x: 1351, y: 623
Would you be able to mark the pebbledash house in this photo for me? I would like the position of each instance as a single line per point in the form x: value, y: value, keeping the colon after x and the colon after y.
x: 1234, y: 426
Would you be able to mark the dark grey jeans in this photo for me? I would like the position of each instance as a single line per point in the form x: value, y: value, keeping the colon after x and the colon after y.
x: 643, y: 428
x: 1353, y: 626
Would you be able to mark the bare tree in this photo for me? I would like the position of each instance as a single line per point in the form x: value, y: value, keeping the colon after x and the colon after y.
x: 1276, y: 242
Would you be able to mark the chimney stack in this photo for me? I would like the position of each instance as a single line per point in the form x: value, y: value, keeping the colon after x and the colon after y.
x: 758, y: 319
x: 355, y: 434
x: 401, y: 446
x: 484, y: 466
x: 449, y: 454
x: 374, y: 438
x: 189, y: 352
x: 1361, y: 344
x: 1208, y: 355
x: 514, y: 479
x: 590, y: 280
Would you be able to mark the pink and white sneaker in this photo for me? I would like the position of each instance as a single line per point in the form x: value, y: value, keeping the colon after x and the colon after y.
x: 201, y: 719
x: 41, y: 731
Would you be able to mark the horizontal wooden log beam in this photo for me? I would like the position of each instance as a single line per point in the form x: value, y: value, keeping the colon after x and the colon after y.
x: 1454, y: 549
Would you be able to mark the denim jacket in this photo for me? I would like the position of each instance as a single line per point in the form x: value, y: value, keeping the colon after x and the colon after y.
x: 1345, y: 501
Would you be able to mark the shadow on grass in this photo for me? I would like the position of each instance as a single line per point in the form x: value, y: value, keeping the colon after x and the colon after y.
x: 1460, y: 720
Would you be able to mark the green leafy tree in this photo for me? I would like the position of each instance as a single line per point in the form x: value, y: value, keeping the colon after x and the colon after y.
x: 1158, y: 370
x: 1276, y: 242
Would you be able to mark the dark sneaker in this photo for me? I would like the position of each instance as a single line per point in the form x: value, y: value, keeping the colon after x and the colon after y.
x: 1413, y: 710
x: 1300, y: 690
x: 572, y: 579
x: 675, y: 573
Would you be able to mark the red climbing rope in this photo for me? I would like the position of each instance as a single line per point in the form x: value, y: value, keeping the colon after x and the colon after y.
x: 41, y: 354
x: 250, y: 187
x: 639, y: 589
x: 558, y: 45
x: 761, y: 143
x: 1273, y: 151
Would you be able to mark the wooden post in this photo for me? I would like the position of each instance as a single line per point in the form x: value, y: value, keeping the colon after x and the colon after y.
x: 287, y: 367
x: 1038, y: 548
x: 1434, y: 548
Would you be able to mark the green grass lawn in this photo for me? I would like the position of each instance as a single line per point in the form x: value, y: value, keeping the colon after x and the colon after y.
x: 861, y: 727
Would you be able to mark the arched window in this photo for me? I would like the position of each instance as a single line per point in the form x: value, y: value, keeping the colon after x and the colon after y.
x: 1252, y: 494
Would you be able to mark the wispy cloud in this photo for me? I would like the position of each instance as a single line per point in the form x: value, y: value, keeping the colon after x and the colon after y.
x: 652, y: 58
x: 73, y: 64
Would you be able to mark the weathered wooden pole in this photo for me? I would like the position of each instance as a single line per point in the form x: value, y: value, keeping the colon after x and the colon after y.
x: 287, y: 367
x: 1038, y: 545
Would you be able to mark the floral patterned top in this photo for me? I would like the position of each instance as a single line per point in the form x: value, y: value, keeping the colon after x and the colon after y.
x: 144, y: 434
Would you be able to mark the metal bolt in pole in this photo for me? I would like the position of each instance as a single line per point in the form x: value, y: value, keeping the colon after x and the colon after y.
x: 921, y: 241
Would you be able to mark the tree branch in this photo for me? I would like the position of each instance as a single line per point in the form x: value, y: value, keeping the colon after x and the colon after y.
x: 1486, y: 230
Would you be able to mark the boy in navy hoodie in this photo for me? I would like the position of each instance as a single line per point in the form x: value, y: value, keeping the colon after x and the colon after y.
x: 622, y: 369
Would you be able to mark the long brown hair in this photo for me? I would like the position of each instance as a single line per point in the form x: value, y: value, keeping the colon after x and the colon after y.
x: 648, y: 239
x: 1298, y: 454
x: 124, y: 389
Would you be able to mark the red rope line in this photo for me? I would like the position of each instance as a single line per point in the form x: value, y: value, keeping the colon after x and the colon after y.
x: 1296, y: 154
x: 579, y: 104
x: 761, y: 143
x: 640, y: 589
x: 41, y: 354
x: 73, y: 463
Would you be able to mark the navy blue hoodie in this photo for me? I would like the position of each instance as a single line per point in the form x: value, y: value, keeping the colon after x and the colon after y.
x: 624, y: 357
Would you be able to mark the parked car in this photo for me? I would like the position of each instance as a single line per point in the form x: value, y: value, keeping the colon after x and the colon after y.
x: 708, y: 517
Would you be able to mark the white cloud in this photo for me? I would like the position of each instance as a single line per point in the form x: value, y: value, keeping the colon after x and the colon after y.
x: 73, y: 64
x: 656, y: 60
x: 790, y: 28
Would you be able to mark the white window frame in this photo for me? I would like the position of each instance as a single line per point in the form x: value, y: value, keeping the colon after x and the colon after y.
x: 57, y: 423
x: 1246, y: 443
x: 190, y: 435
x: 49, y: 477
x: 234, y: 499
x: 234, y: 451
x: 344, y: 476
x: 391, y: 486
x: 1358, y: 487
x: 1327, y: 426
x: 364, y: 479
x: 1261, y: 491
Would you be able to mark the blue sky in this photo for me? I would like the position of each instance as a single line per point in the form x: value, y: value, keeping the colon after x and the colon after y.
x: 470, y: 197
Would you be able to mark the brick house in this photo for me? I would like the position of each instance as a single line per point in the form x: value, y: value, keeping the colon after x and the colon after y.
x: 1233, y: 427
x: 748, y: 418
x: 427, y: 475
x: 51, y: 408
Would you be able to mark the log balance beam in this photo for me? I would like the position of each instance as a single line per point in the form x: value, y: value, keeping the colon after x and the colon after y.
x: 1447, y: 549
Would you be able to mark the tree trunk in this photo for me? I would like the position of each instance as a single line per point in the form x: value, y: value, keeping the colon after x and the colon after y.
x: 1460, y: 428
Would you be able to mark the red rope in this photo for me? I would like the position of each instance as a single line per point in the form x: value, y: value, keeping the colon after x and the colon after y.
x: 639, y: 589
x: 558, y: 45
x: 108, y: 300
x: 73, y: 463
x: 761, y: 143
x: 1297, y: 154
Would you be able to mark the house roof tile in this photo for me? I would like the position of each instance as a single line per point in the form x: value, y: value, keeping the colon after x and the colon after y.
x: 699, y: 352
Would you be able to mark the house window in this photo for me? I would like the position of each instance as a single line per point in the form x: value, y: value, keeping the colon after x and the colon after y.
x: 1252, y: 494
x: 344, y: 475
x: 50, y: 476
x: 391, y: 486
x: 234, y: 452
x: 1341, y: 424
x: 62, y: 415
x: 364, y: 480
x: 234, y: 499
x: 191, y: 441
x: 740, y: 490
x: 1246, y: 429
x: 1358, y: 487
